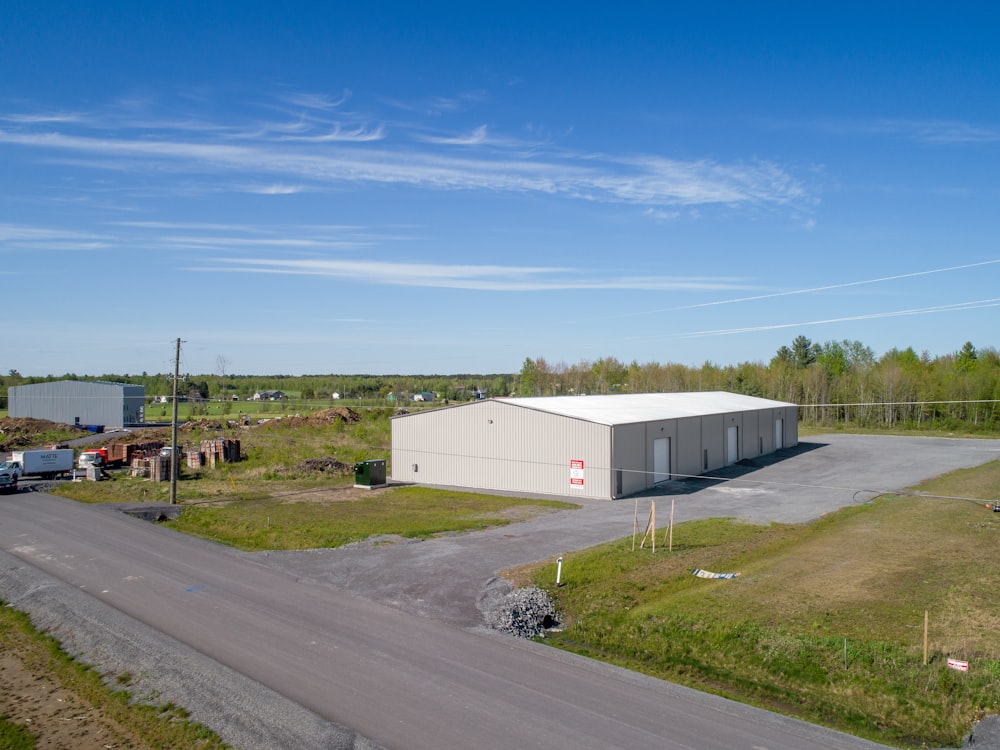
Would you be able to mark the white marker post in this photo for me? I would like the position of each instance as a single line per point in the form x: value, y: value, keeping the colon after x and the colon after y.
x: 559, y: 572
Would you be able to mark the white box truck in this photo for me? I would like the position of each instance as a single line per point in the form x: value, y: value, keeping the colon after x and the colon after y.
x: 43, y: 463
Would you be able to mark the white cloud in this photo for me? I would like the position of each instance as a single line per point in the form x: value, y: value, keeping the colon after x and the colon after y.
x: 310, y: 153
x: 317, y: 101
x: 358, y: 134
x: 475, y: 138
x: 459, y: 276
x: 276, y: 189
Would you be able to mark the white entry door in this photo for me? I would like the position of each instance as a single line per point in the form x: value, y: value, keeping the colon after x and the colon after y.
x: 661, y: 460
x: 779, y: 434
x: 732, y: 445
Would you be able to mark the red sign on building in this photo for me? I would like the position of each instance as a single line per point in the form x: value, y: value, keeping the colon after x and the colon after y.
x: 576, y: 473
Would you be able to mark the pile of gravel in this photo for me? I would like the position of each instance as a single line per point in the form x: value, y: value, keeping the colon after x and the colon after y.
x: 524, y: 613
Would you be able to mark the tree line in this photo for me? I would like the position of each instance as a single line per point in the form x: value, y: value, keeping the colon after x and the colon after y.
x: 836, y: 382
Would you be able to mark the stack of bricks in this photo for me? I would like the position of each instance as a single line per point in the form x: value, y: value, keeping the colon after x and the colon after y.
x: 152, y: 466
x: 220, y: 450
x: 123, y: 453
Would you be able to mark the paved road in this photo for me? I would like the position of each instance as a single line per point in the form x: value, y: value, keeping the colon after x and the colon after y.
x: 408, y: 681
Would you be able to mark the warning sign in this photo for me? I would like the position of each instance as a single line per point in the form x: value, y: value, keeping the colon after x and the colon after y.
x: 576, y: 473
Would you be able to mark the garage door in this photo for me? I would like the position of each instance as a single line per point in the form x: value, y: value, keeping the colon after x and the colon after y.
x: 732, y: 445
x: 661, y: 460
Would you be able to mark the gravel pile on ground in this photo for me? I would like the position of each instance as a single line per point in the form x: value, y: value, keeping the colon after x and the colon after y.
x: 524, y: 613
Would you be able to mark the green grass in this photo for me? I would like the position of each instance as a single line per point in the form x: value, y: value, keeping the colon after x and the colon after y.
x: 158, y: 726
x: 295, y: 522
x: 14, y: 736
x: 775, y: 636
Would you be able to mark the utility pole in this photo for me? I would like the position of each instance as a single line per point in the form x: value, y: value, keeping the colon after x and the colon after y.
x: 173, y: 429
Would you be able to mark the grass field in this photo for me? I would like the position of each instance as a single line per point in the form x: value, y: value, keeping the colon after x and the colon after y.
x: 825, y: 621
x: 297, y: 523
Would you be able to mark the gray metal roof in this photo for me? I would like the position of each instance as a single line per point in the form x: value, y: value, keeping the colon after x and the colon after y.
x: 645, y: 407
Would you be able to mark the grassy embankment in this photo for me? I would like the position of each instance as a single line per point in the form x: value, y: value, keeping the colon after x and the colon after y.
x: 860, y: 579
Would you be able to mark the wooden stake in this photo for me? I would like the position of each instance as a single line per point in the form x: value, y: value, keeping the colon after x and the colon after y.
x: 649, y: 523
x: 652, y: 520
x: 671, y: 548
x: 635, y: 523
x: 926, y: 619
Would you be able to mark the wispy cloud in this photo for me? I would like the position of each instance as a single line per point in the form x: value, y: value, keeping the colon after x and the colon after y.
x: 313, y: 149
x: 638, y: 180
x: 929, y: 131
x: 358, y: 134
x: 942, y: 131
x: 311, y: 100
x: 936, y: 309
x: 43, y: 118
x: 495, y: 278
x: 475, y: 138
x: 439, y: 104
x: 817, y: 289
x: 19, y: 236
x: 276, y: 189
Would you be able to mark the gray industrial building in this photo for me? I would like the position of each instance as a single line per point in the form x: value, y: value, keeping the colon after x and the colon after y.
x: 603, y: 447
x: 79, y: 402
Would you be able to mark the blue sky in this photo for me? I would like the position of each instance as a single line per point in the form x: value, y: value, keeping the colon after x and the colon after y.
x: 440, y: 188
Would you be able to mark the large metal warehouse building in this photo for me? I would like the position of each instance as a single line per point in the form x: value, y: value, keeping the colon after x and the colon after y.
x: 79, y: 402
x: 603, y: 447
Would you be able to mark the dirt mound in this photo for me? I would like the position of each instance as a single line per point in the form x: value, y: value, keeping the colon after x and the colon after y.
x: 326, y: 417
x: 202, y: 424
x: 328, y: 465
x: 24, y: 432
x: 336, y: 414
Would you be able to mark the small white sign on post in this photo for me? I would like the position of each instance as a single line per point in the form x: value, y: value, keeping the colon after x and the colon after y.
x: 576, y: 473
x: 958, y: 664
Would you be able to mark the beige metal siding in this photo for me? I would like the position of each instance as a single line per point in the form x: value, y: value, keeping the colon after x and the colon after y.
x: 688, y: 449
x: 713, y: 441
x: 497, y: 446
x: 630, y: 457
x: 506, y: 446
x: 750, y: 435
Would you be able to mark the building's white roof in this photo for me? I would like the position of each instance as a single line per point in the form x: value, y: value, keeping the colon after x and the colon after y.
x: 645, y: 407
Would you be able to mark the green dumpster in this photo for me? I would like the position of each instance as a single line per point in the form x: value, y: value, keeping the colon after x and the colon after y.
x: 369, y: 473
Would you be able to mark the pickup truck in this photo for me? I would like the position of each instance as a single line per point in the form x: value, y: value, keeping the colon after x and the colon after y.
x: 12, y: 469
x: 8, y: 484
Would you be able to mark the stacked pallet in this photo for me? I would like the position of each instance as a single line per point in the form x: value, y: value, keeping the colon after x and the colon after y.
x: 123, y: 453
x: 154, y: 466
x: 220, y: 450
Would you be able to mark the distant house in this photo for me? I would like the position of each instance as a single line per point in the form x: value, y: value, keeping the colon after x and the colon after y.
x: 268, y: 396
x: 422, y: 396
x: 169, y: 399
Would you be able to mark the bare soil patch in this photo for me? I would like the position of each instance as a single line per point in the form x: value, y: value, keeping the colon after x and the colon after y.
x: 56, y: 716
